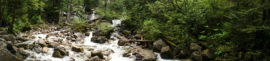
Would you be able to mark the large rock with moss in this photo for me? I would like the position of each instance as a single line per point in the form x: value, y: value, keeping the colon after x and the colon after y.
x: 158, y: 45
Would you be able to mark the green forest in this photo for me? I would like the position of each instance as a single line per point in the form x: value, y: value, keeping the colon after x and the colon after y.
x: 185, y: 30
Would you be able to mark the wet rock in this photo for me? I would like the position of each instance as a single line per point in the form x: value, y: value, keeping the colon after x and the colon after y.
x: 195, y: 47
x: 26, y: 46
x: 11, y: 48
x: 95, y: 58
x: 126, y: 54
x: 57, y: 54
x: 45, y: 49
x: 129, y: 52
x: 87, y: 34
x: 158, y: 45
x: 37, y: 48
x: 196, y: 56
x: 166, y: 53
x: 1, y: 39
x: 107, y: 52
x: 8, y: 37
x: 138, y: 36
x: 76, y: 49
x: 22, y: 38
x: 97, y: 53
x: 123, y: 41
x: 23, y: 53
x: 99, y: 39
x: 60, y: 52
x: 52, y: 44
x: 6, y: 55
x: 41, y: 43
x: 145, y: 55
x: 3, y: 32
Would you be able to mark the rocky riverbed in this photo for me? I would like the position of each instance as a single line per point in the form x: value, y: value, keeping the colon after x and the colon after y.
x: 62, y: 44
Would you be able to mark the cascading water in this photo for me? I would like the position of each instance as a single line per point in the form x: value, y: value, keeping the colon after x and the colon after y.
x: 117, y: 54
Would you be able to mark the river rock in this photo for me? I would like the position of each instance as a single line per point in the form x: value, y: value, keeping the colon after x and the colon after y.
x: 158, y: 45
x: 95, y: 58
x: 195, y: 47
x: 123, y: 41
x: 26, y: 46
x: 41, y: 43
x: 87, y: 34
x: 99, y: 39
x: 8, y: 37
x: 21, y: 38
x: 45, y: 49
x: 76, y: 49
x: 3, y: 32
x: 52, y: 44
x: 97, y: 53
x: 196, y: 56
x: 2, y: 39
x: 166, y: 53
x: 145, y: 55
x: 12, y: 48
x: 23, y: 53
x: 6, y: 55
x: 60, y: 52
x: 138, y: 36
x: 57, y: 54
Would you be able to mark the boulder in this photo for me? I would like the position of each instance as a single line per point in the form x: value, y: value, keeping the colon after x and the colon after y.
x: 52, y: 44
x: 45, y: 49
x: 99, y: 39
x: 95, y: 58
x: 157, y: 45
x: 76, y: 49
x: 123, y: 41
x: 3, y: 32
x: 97, y: 53
x: 87, y: 34
x: 8, y: 37
x: 145, y: 55
x: 138, y: 36
x: 41, y: 43
x: 1, y: 39
x: 6, y: 55
x: 22, y: 38
x: 11, y: 48
x: 57, y: 54
x: 166, y: 53
x: 195, y: 47
x: 60, y: 52
x: 26, y: 46
x: 196, y: 56
x: 37, y: 49
x: 23, y: 53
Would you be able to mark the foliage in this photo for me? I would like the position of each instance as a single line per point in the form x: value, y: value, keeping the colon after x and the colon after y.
x: 78, y: 25
x: 104, y: 27
x: 228, y: 26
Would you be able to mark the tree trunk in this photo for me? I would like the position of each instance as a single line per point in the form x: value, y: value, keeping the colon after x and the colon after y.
x: 68, y: 11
